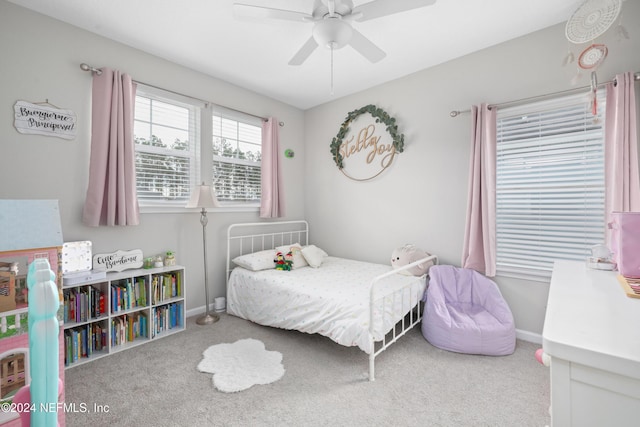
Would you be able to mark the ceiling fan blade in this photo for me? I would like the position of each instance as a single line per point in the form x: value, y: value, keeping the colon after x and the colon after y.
x: 366, y: 48
x: 376, y: 9
x: 304, y: 52
x: 243, y: 10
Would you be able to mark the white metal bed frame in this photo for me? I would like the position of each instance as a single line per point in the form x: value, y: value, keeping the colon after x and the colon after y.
x: 259, y: 237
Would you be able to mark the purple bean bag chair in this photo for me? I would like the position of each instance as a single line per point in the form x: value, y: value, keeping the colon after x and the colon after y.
x: 466, y: 313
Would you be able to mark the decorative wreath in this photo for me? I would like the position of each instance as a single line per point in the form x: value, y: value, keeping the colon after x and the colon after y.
x: 381, y: 116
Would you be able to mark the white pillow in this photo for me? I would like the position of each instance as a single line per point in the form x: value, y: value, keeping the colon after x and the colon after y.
x: 295, y: 248
x: 256, y: 261
x: 314, y: 255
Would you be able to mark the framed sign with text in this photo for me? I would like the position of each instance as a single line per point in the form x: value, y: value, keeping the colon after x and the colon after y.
x: 44, y: 119
x: 367, y: 143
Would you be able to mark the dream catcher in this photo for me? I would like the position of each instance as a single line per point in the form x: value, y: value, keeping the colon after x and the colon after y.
x: 591, y: 20
x: 592, y: 56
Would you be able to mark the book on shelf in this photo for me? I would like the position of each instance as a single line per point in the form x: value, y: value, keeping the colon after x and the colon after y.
x: 128, y: 294
x: 96, y: 302
x: 167, y: 317
x: 83, y: 304
x: 83, y: 341
x: 102, y: 303
x: 128, y: 328
x: 141, y: 292
x: 166, y: 286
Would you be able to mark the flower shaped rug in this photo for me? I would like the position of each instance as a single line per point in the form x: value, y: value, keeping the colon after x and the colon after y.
x: 241, y: 365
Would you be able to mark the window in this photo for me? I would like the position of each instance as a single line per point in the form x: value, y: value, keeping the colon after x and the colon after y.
x: 171, y: 158
x: 237, y: 149
x: 166, y: 133
x: 549, y: 184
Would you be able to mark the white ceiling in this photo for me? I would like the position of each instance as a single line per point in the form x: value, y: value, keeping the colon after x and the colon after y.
x: 204, y: 35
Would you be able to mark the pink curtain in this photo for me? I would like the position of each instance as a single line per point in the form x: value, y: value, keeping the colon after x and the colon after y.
x: 272, y: 198
x: 479, y: 248
x: 622, y: 178
x: 111, y: 193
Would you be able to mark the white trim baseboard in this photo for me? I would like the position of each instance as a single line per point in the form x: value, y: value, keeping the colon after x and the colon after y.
x: 200, y: 310
x: 195, y: 311
x: 529, y: 336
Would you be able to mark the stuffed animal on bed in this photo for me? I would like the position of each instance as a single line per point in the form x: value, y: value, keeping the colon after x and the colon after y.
x: 284, y: 262
x: 408, y: 254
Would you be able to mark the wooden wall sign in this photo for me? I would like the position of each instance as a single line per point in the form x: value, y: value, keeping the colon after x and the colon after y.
x: 366, y: 144
x: 118, y: 260
x: 44, y: 119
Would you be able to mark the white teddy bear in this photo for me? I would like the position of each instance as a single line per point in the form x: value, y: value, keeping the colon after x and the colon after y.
x: 408, y: 254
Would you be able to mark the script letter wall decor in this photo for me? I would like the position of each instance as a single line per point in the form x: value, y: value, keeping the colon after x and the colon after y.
x: 40, y: 119
x: 366, y: 144
x: 118, y: 260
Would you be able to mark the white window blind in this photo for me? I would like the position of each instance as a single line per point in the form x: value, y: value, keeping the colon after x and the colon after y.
x: 237, y: 151
x: 549, y: 184
x: 167, y: 142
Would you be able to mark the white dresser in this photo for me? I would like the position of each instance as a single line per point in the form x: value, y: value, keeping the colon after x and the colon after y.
x: 592, y: 334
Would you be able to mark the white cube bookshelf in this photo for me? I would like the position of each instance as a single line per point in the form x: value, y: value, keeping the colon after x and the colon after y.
x: 122, y: 310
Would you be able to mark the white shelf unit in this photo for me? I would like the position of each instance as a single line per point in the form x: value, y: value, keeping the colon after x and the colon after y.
x: 123, y: 310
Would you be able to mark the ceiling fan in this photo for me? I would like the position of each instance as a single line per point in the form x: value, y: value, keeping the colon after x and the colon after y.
x: 332, y: 23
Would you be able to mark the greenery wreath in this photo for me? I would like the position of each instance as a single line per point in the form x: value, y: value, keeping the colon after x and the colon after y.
x: 381, y: 116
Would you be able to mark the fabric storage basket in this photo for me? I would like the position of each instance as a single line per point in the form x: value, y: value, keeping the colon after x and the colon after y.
x: 625, y: 242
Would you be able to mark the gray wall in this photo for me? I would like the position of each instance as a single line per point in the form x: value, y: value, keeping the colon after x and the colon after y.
x: 40, y: 59
x: 421, y: 199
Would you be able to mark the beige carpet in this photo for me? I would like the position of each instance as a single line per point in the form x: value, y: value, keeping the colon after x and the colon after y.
x: 324, y: 384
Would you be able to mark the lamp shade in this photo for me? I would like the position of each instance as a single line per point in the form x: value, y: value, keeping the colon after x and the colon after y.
x: 203, y: 196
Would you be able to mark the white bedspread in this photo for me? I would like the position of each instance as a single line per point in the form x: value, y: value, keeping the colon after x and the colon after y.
x: 332, y: 300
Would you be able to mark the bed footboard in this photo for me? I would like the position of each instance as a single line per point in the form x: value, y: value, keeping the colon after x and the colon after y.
x: 408, y: 320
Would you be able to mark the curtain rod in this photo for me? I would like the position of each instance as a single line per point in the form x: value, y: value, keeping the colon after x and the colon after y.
x: 455, y: 113
x: 86, y: 67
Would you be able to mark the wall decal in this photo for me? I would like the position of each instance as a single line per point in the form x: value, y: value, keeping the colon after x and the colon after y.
x: 367, y: 151
x: 44, y: 119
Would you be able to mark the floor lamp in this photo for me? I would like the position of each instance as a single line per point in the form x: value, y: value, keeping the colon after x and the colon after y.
x: 203, y: 196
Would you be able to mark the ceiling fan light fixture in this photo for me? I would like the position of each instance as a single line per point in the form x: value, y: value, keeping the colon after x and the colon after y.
x: 332, y: 33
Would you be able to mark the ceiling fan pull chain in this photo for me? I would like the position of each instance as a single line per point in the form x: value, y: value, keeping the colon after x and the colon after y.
x: 332, y: 69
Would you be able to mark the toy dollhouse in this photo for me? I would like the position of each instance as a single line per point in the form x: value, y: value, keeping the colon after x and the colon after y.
x: 29, y: 229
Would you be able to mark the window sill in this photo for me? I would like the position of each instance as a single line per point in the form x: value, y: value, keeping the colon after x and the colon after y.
x: 181, y: 210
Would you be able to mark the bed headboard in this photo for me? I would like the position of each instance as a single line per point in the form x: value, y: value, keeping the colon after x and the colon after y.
x: 245, y: 238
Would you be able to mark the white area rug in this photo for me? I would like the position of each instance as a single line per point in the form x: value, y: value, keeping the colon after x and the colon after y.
x: 238, y: 366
